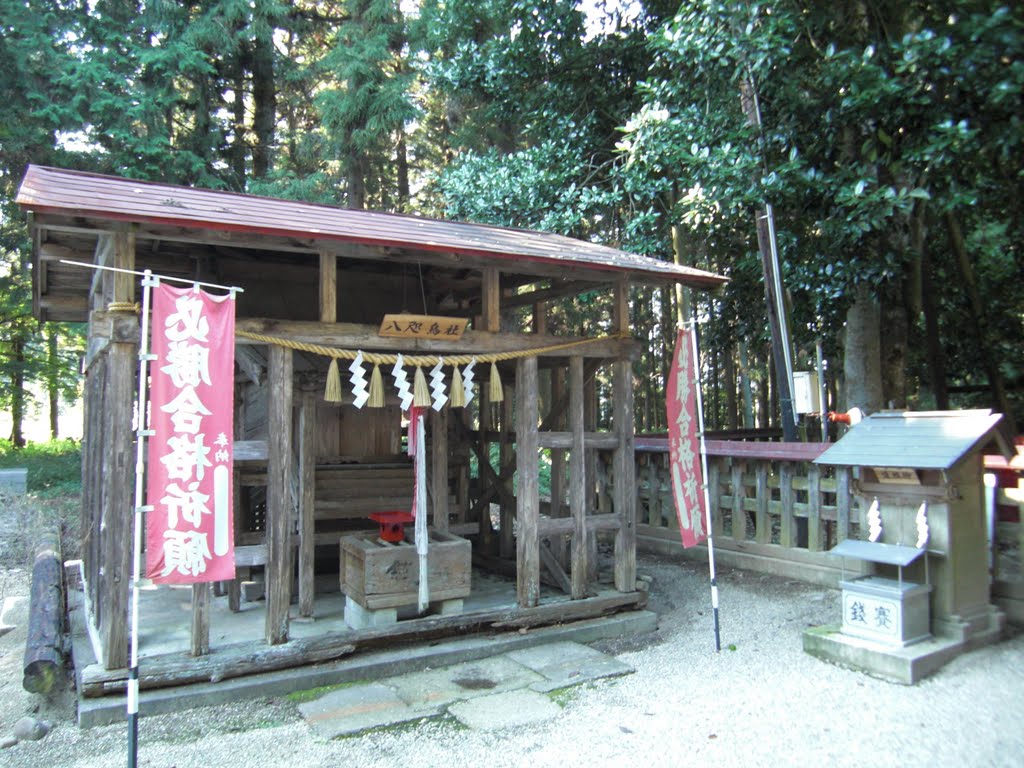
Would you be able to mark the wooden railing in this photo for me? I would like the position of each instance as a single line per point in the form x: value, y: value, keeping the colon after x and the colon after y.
x: 775, y: 511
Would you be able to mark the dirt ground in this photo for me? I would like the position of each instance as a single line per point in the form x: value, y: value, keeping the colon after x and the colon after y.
x: 734, y: 708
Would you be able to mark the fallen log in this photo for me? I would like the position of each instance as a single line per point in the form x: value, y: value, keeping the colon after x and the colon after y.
x: 44, y: 648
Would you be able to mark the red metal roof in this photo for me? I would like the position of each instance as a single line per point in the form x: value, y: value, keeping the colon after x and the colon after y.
x: 75, y: 193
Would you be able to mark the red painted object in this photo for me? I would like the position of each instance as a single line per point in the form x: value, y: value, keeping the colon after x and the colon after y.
x: 392, y: 524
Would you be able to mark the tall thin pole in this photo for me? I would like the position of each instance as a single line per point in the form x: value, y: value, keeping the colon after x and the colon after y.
x: 707, y: 496
x: 142, y: 432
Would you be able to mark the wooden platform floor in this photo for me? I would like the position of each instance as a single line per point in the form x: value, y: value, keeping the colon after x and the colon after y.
x: 165, y: 614
x: 237, y: 639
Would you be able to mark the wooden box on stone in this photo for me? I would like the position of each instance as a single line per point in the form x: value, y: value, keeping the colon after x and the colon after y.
x: 378, y: 574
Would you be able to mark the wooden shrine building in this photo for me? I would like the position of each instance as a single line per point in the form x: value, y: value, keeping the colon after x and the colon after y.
x: 309, y: 472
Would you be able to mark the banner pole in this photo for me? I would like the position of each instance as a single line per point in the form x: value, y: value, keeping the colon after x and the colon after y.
x: 148, y: 281
x: 704, y: 470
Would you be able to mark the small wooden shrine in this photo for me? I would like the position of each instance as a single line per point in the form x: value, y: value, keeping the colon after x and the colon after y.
x: 927, y: 594
x: 309, y: 472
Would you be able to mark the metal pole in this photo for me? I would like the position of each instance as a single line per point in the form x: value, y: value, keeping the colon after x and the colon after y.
x: 148, y: 282
x: 822, y: 392
x: 707, y: 497
x: 164, y: 278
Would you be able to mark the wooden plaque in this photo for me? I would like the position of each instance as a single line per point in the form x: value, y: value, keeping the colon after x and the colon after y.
x: 897, y: 475
x: 423, y: 327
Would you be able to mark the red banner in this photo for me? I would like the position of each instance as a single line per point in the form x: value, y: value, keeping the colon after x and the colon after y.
x: 683, y: 445
x: 189, y: 531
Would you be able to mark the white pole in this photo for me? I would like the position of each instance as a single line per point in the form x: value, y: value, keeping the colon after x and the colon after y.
x: 704, y: 485
x: 142, y: 431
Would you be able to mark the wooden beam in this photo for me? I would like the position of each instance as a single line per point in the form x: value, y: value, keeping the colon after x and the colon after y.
x: 577, y: 482
x: 103, y: 255
x: 366, y: 337
x: 328, y: 287
x: 605, y: 441
x: 540, y: 318
x: 124, y: 258
x: 528, y: 494
x: 279, y: 508
x: 554, y: 568
x: 625, y: 477
x: 490, y: 301
x: 307, y: 502
x: 240, y: 659
x: 558, y: 290
x: 620, y: 307
x: 566, y: 526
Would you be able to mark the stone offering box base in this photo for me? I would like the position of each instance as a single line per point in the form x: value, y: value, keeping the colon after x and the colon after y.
x: 899, y: 664
x: 381, y: 579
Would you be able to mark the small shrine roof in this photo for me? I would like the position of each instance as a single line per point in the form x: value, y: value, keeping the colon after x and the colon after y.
x: 919, y: 440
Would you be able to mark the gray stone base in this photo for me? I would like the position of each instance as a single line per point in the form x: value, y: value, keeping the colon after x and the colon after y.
x: 905, y: 665
x: 358, y: 617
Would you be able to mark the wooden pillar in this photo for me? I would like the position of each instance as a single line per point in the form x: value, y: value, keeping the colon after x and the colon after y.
x: 540, y: 318
x: 558, y: 467
x: 307, y: 502
x: 490, y: 301
x: 624, y: 461
x: 577, y: 481
x: 490, y: 321
x: 594, y: 497
x: 488, y: 542
x: 200, y: 644
x: 439, y: 467
x: 506, y: 455
x: 328, y: 288
x: 238, y: 511
x: 118, y: 474
x: 528, y: 497
x: 279, y: 508
x: 116, y: 502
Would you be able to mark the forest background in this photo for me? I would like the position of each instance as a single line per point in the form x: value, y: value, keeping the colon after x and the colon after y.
x: 885, y: 137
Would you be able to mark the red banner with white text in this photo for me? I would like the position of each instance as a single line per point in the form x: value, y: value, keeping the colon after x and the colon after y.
x: 189, y: 530
x: 683, y: 443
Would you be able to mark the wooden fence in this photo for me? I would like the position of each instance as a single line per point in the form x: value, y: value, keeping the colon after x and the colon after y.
x: 775, y: 511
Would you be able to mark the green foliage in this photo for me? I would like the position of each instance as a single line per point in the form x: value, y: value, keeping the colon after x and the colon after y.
x: 875, y: 124
x: 880, y: 124
x: 54, y: 468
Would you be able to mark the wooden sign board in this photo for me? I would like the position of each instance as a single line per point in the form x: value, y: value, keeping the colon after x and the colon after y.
x: 897, y: 475
x: 423, y: 327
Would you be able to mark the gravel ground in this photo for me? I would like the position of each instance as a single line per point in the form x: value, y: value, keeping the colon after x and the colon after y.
x: 760, y: 701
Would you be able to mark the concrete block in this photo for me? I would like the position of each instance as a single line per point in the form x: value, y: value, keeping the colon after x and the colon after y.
x: 437, y: 687
x: 505, y: 710
x: 566, y: 663
x: 360, y: 708
x: 358, y: 617
x: 14, y: 481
